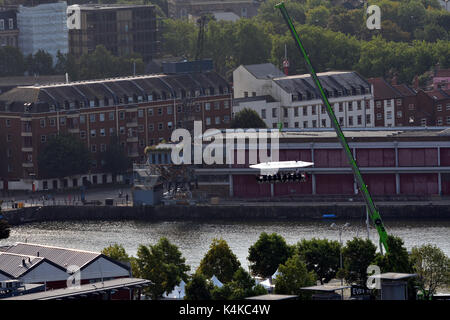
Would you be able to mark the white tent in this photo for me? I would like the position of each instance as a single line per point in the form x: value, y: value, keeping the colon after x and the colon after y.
x: 216, y: 281
x: 178, y: 292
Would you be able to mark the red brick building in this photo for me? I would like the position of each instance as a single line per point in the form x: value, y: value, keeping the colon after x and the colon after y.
x: 140, y: 111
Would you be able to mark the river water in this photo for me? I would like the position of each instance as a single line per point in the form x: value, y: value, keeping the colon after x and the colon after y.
x: 193, y: 237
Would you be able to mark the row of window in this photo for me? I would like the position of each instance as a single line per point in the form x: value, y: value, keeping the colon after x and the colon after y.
x: 398, y: 102
x: 314, y: 123
x: 335, y: 93
x: 439, y: 107
x: 10, y: 24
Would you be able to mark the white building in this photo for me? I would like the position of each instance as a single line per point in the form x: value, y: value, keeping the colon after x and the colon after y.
x: 294, y: 101
x: 43, y: 27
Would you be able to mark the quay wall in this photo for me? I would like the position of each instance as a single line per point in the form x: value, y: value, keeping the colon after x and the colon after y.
x: 221, y: 212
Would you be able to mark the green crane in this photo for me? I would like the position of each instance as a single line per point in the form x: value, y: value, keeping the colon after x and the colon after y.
x: 372, y: 210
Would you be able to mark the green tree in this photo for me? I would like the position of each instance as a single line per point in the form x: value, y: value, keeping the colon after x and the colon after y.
x: 179, y: 38
x: 63, y: 155
x: 432, y: 267
x: 253, y: 43
x: 357, y: 255
x: 41, y: 63
x: 163, y: 265
x: 219, y: 261
x: 198, y: 288
x: 293, y: 275
x: 115, y: 159
x: 247, y: 118
x: 12, y: 62
x: 318, y: 16
x: 396, y: 259
x: 411, y: 15
x: 117, y: 252
x: 320, y: 256
x: 266, y: 254
x: 242, y: 286
x: 4, y: 226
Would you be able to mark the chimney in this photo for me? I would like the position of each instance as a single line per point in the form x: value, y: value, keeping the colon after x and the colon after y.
x: 23, y: 263
x: 394, y: 80
x: 37, y: 254
x: 416, y: 82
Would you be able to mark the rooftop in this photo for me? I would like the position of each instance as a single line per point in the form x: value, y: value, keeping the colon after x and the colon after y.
x: 267, y: 98
x: 383, y: 90
x: 264, y: 71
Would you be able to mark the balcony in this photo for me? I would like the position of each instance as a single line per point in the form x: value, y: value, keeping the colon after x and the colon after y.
x: 27, y: 149
x: 74, y: 130
x: 27, y: 164
x: 132, y: 139
x: 133, y: 153
x: 132, y: 123
x: 26, y: 134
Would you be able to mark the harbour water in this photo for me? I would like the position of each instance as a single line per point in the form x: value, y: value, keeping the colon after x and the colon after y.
x: 194, y: 238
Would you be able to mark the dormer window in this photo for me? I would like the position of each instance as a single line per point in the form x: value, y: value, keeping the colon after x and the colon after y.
x: 150, y: 97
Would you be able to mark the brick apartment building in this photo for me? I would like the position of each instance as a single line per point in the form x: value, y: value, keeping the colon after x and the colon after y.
x: 182, y: 9
x: 140, y: 111
x: 122, y: 29
x: 9, y: 32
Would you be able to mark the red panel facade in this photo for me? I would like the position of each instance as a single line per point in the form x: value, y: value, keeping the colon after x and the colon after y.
x: 383, y: 157
x: 330, y: 158
x: 419, y: 183
x: 417, y: 157
x: 334, y: 184
x: 380, y: 184
x: 445, y: 157
x: 246, y: 186
x: 445, y: 180
x: 293, y: 188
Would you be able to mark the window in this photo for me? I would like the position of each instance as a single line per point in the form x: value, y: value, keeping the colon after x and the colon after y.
x: 389, y: 115
x: 216, y: 105
x: 423, y: 122
x: 82, y: 134
x: 141, y: 128
x: 379, y: 117
x: 274, y: 112
x: 179, y: 109
x: 52, y: 122
x: 150, y: 111
x: 122, y: 130
x: 121, y: 115
x: 378, y: 104
x: 111, y: 116
x: 314, y: 123
x: 350, y: 121
x: 285, y: 112
x: 8, y: 137
x: 359, y: 120
x: 399, y: 102
x: 102, y: 147
x: 341, y: 107
x: 313, y: 110
x: 102, y: 117
x: 217, y: 120
x: 226, y: 119
x: 296, y: 112
x: 207, y: 106
x: 11, y: 23
x: 399, y: 114
x: 92, y: 118
x: 226, y: 104
x: 62, y: 121
x: 111, y: 131
x: 439, y: 121
x: 324, y: 123
x: 169, y: 110
x: 102, y: 132
x: 43, y: 138
x: 160, y: 126
x: 305, y: 124
x: 208, y: 121
x: 263, y: 113
x: 2, y: 24
x: 82, y: 119
x: 411, y: 106
x: 448, y: 120
x: 305, y: 111
x: 285, y: 124
x: 42, y: 123
x: 140, y: 113
x: 274, y: 125
x: 169, y: 125
x: 447, y: 107
x: 367, y: 104
x: 322, y: 109
x: 341, y: 121
x: 350, y: 106
x: 388, y: 103
x: 141, y: 143
x: 160, y: 112
x: 93, y: 133
x: 295, y: 124
x: 151, y: 127
x: 368, y: 119
x: 93, y: 148
x: 358, y: 105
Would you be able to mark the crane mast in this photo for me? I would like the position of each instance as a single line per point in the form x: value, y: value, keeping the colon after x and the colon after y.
x: 373, y: 211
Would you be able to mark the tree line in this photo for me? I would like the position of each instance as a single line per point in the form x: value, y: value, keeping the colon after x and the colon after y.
x: 299, y: 265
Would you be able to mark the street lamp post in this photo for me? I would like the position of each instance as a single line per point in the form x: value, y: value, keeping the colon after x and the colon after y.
x: 341, y: 228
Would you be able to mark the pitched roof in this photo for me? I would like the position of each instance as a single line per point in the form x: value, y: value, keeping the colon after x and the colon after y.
x: 383, y: 90
x: 439, y: 94
x: 264, y: 70
x: 62, y: 257
x: 404, y: 90
x: 15, y: 265
x: 442, y: 73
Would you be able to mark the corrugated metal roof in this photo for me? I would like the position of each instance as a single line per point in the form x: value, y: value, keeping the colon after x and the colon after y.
x: 17, y: 264
x: 62, y: 257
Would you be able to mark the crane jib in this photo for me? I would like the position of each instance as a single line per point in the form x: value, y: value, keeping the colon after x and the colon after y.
x: 373, y: 212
